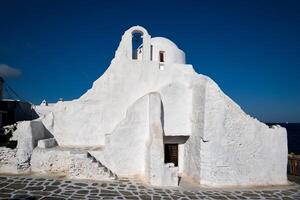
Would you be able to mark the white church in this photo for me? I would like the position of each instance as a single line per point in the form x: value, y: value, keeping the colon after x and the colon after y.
x: 151, y: 116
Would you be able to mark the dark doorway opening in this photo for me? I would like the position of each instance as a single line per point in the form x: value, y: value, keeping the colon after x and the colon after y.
x: 161, y: 56
x: 171, y: 154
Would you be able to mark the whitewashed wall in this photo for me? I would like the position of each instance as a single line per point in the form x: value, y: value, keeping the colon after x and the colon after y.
x: 239, y: 150
x: 225, y: 146
x: 126, y: 147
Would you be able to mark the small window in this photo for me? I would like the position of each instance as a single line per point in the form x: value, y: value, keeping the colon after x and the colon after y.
x: 151, y: 52
x: 161, y: 56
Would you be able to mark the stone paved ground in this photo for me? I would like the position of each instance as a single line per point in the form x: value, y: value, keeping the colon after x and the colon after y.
x: 29, y: 187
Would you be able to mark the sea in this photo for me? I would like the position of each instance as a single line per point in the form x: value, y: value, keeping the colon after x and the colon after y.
x: 293, y: 133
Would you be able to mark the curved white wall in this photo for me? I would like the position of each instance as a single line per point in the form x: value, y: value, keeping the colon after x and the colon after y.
x: 172, y: 53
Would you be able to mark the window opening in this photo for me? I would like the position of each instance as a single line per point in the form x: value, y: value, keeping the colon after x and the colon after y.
x: 161, y: 56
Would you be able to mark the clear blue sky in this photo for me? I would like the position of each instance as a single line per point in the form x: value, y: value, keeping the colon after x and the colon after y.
x: 250, y: 48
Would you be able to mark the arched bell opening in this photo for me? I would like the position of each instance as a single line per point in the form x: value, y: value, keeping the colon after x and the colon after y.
x: 137, y: 44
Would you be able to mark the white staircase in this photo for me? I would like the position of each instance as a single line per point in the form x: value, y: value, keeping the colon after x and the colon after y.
x: 85, y: 166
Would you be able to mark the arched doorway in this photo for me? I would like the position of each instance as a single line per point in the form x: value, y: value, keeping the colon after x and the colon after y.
x: 137, y: 44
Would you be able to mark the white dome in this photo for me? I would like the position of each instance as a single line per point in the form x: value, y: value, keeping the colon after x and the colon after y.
x: 164, y: 50
x: 163, y: 41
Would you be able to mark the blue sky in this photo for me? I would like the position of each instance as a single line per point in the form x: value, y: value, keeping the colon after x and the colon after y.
x: 250, y: 48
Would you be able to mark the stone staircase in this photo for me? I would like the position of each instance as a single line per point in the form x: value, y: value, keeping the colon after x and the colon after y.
x: 85, y: 166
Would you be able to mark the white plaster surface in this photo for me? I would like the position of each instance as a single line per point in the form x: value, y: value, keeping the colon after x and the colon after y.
x: 68, y: 162
x: 239, y: 150
x: 8, y: 160
x: 135, y: 147
x: 29, y: 132
x: 225, y: 146
x: 43, y: 109
x: 51, y: 161
x: 160, y: 174
x: 126, y: 147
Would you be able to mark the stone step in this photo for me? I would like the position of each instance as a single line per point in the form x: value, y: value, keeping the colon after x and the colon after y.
x: 85, y: 166
x: 111, y: 174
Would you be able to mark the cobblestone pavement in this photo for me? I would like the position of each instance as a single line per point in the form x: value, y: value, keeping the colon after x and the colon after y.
x: 29, y: 187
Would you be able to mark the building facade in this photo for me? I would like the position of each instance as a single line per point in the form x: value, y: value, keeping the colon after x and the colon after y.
x: 150, y: 115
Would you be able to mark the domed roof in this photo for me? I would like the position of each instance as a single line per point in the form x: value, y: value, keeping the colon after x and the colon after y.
x: 163, y: 41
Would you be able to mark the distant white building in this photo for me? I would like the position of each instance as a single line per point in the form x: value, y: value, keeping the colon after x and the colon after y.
x: 150, y: 115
